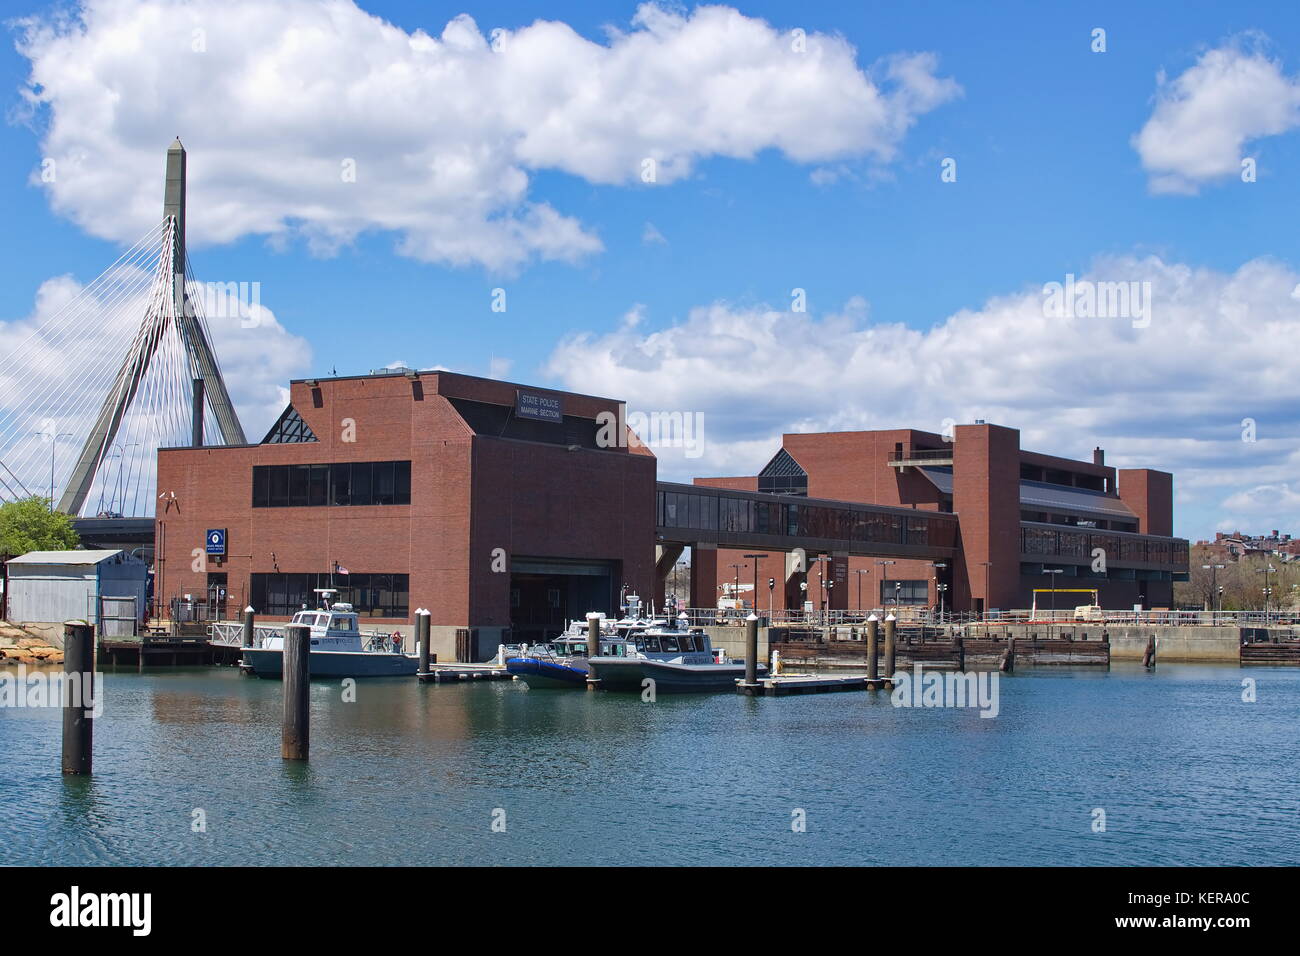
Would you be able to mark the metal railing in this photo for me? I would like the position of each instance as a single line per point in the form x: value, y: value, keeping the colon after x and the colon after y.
x: 930, y: 616
x: 922, y: 454
x: 231, y: 634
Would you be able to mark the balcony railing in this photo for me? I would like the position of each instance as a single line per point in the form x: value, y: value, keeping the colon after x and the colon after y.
x: 927, y: 456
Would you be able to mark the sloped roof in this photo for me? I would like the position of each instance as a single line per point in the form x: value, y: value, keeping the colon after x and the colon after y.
x: 1041, y: 495
x: 64, y: 557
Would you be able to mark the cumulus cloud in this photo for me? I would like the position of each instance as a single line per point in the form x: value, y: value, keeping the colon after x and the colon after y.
x: 1233, y: 95
x: 1171, y: 395
x: 316, y: 119
x: 59, y: 363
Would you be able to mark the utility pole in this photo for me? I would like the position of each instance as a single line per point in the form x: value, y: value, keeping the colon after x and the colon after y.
x: 754, y: 558
x: 1214, y: 570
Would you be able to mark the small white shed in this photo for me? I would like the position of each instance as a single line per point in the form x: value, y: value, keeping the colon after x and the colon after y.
x: 50, y: 587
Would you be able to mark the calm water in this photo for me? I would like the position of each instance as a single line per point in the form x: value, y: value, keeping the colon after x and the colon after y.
x: 1186, y: 772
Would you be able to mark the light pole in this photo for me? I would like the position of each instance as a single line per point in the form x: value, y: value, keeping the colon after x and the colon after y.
x: 54, y: 441
x: 859, y: 572
x: 754, y: 558
x: 735, y: 592
x: 1052, y: 573
x: 939, y: 586
x: 1214, y: 570
x: 1266, y: 571
x: 881, y: 565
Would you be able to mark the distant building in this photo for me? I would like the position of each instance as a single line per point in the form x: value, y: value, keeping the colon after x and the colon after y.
x: 1019, y: 514
x: 1236, y: 545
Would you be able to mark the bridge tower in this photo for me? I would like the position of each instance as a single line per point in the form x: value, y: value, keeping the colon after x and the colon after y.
x: 171, y: 310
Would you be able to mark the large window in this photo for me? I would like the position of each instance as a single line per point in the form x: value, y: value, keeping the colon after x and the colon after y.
x: 372, y: 595
x: 905, y: 592
x: 345, y: 483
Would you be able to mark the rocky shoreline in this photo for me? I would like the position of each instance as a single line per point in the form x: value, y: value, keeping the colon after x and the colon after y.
x: 17, y: 646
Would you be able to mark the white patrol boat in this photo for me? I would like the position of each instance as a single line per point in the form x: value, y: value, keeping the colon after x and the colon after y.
x: 338, y: 648
x: 676, y: 659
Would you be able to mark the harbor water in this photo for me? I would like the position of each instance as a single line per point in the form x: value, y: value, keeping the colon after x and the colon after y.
x: 1174, y: 763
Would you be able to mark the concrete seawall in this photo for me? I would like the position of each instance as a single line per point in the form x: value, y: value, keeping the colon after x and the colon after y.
x: 1185, y: 644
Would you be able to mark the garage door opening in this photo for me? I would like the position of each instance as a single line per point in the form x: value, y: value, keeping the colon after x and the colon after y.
x: 547, y: 593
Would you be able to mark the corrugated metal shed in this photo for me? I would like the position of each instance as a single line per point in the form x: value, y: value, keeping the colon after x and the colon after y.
x: 48, y: 587
x: 71, y: 558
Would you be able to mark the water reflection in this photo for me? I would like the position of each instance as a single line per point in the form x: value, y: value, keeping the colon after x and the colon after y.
x: 411, y: 773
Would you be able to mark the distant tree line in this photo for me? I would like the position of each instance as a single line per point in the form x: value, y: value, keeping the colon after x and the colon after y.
x: 1242, y: 581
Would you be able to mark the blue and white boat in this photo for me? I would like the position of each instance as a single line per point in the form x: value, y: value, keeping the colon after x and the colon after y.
x: 338, y: 648
x: 563, y: 661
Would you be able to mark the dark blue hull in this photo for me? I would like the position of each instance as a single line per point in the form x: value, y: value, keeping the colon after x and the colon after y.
x: 544, y: 673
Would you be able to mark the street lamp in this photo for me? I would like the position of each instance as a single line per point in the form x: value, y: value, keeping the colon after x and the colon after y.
x: 1215, y: 591
x: 1052, y: 573
x: 754, y: 558
x: 1266, y: 571
x: 735, y: 592
x: 859, y: 572
x: 881, y: 565
x: 54, y: 441
x: 938, y: 586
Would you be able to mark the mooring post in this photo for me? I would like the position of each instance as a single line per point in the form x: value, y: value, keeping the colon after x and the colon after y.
x: 751, y: 650
x: 959, y: 644
x: 422, y: 634
x: 1009, y: 656
x: 891, y: 642
x: 593, y: 635
x: 247, y: 635
x: 873, y: 636
x: 78, y: 697
x: 295, y: 730
x: 1149, y: 655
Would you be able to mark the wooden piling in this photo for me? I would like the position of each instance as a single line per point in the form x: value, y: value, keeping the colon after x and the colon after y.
x: 247, y: 632
x: 1149, y: 655
x: 422, y: 635
x: 1009, y: 657
x: 593, y: 635
x: 959, y: 645
x: 295, y: 730
x: 78, y: 697
x: 873, y: 637
x: 891, y: 646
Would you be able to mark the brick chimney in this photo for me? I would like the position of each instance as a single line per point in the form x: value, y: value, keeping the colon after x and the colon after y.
x: 1098, y: 456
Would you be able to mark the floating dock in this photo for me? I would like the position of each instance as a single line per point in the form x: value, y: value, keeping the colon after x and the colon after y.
x: 785, y: 684
x: 450, y: 673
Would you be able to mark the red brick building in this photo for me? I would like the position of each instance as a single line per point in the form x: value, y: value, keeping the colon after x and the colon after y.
x: 492, y: 505
x: 1020, y: 515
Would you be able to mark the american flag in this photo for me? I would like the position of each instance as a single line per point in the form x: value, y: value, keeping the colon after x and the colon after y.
x: 343, y: 570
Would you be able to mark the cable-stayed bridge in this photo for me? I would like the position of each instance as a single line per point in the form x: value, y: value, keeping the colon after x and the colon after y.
x: 90, y: 391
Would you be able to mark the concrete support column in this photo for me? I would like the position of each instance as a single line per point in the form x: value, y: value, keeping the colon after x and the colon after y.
x: 704, y: 575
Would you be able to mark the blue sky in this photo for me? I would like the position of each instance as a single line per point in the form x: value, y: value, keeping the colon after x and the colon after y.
x: 1049, y: 182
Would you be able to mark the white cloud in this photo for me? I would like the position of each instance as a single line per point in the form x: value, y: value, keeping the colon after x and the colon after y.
x: 1265, y: 500
x: 444, y: 133
x: 1170, y: 396
x: 57, y: 366
x: 1233, y: 95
